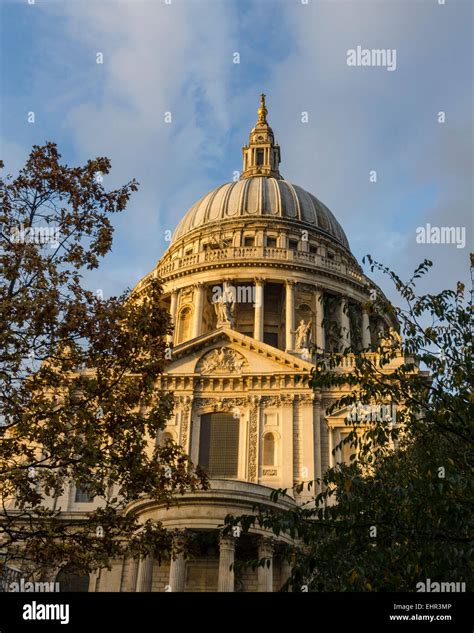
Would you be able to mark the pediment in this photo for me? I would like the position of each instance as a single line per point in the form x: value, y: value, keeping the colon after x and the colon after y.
x: 227, y: 352
x: 221, y: 360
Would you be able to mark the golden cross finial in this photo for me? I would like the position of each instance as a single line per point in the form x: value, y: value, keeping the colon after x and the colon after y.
x: 262, y: 111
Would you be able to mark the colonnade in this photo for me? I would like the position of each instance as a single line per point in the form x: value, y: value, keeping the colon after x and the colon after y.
x: 342, y: 314
x: 137, y: 575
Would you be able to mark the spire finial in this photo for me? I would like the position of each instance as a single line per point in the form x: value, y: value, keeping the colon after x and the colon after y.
x: 261, y: 155
x: 262, y: 111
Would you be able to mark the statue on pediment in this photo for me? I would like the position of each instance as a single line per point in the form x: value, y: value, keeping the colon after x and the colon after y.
x: 225, y: 308
x: 303, y: 336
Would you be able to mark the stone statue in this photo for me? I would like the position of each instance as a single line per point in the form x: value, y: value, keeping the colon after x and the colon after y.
x: 389, y: 339
x: 303, y: 336
x: 225, y: 307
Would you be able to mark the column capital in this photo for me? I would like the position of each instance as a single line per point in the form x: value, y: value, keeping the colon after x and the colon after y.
x: 259, y: 280
x: 179, y: 539
x: 226, y: 542
x: 266, y: 547
x: 290, y: 282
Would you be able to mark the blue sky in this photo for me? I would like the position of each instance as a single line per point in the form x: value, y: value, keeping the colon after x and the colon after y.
x: 179, y: 57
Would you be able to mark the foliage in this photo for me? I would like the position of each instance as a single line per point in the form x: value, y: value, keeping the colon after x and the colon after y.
x: 77, y: 376
x: 400, y: 511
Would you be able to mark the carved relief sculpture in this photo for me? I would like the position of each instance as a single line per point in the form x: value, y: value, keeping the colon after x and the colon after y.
x: 223, y: 360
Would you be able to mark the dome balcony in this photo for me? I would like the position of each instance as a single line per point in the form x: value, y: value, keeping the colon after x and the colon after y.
x: 252, y: 256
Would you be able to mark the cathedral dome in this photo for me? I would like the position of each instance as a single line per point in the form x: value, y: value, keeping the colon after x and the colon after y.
x: 261, y: 196
x: 261, y: 193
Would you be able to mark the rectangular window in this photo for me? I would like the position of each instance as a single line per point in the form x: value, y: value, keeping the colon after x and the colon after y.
x: 260, y: 157
x: 271, y: 242
x: 293, y: 245
x: 249, y: 241
x: 219, y: 444
x: 83, y: 496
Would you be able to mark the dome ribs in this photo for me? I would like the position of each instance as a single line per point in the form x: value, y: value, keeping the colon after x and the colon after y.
x: 244, y: 198
x: 212, y: 197
x: 224, y: 210
x: 275, y: 184
x: 261, y: 196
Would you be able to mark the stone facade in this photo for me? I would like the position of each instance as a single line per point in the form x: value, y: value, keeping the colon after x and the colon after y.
x: 257, y: 274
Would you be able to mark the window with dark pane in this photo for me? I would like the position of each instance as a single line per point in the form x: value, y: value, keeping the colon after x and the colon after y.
x: 260, y: 157
x: 83, y: 495
x: 293, y: 245
x: 219, y: 444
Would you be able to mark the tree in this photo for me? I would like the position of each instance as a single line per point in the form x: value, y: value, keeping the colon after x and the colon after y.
x: 400, y: 512
x: 77, y: 376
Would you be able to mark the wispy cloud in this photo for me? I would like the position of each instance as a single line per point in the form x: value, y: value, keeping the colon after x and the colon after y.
x: 178, y: 58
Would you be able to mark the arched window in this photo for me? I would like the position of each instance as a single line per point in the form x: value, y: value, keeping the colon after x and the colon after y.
x: 184, y: 325
x: 269, y: 450
x: 165, y: 438
x: 72, y: 579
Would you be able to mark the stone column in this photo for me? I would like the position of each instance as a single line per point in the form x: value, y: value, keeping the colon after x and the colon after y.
x: 173, y: 305
x: 306, y: 431
x: 317, y: 439
x: 337, y: 439
x: 344, y: 324
x: 265, y: 574
x: 145, y: 574
x: 290, y: 316
x: 332, y: 460
x: 320, y: 345
x: 177, y: 573
x: 226, y: 559
x: 259, y: 310
x: 198, y: 299
x: 365, y: 329
x: 285, y: 571
x: 128, y: 580
x: 98, y: 580
x: 287, y: 414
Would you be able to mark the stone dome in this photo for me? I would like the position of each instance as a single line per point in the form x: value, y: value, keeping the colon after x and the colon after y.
x: 261, y: 196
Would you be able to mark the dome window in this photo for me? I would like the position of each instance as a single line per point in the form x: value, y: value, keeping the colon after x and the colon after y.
x: 293, y: 245
x: 249, y: 240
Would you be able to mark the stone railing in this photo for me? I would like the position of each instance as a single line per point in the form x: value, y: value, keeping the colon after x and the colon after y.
x: 259, y: 254
x: 348, y: 363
